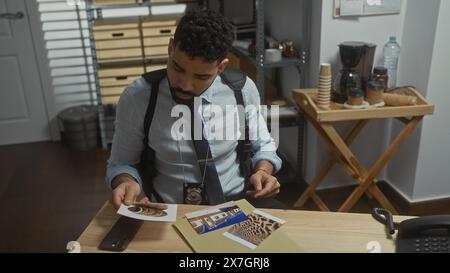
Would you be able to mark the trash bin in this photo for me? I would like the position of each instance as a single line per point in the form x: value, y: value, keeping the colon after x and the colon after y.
x: 80, y: 126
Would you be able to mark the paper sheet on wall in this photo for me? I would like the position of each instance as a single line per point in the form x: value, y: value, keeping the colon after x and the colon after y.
x: 372, y: 7
x: 366, y: 7
x: 352, y: 7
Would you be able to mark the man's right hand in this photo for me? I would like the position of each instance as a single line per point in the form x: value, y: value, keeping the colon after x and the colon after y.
x: 125, y: 190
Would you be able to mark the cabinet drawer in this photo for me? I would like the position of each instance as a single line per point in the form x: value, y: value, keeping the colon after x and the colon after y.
x: 151, y: 51
x: 119, y: 53
x: 153, y: 67
x: 159, y: 31
x: 116, y: 34
x: 110, y: 99
x: 112, y: 91
x: 156, y: 41
x: 122, y: 43
x: 120, y: 71
x: 117, y: 81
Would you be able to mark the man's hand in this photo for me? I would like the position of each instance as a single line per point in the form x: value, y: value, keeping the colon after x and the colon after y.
x: 265, y: 185
x: 126, y: 191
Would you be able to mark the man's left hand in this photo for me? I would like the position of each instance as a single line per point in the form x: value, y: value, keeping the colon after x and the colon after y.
x: 265, y: 185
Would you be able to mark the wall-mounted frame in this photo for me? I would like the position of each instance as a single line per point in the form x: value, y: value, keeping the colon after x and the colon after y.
x: 365, y: 7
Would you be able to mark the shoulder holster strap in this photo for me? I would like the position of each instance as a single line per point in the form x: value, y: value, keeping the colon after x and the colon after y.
x: 236, y: 80
x: 146, y: 166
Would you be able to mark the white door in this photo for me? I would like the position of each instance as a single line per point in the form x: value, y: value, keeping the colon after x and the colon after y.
x: 23, y: 116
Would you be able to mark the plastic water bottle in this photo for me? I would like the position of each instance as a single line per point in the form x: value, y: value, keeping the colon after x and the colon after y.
x: 391, y: 53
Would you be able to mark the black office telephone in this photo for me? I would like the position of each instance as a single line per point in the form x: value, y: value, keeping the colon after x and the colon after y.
x: 428, y: 234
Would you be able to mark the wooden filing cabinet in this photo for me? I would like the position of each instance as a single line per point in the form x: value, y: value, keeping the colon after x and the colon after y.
x: 112, y: 29
x: 141, y: 42
x: 114, y: 80
x: 117, y: 39
x: 158, y: 31
x: 156, y: 34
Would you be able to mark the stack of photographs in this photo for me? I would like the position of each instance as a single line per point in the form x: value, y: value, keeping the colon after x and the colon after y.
x: 249, y: 231
x: 217, y: 217
x: 255, y: 230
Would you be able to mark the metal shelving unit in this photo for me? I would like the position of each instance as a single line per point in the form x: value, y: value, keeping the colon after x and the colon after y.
x: 285, y: 62
x: 262, y: 66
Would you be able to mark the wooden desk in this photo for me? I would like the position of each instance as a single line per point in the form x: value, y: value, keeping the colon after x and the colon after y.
x: 323, y: 119
x: 313, y: 231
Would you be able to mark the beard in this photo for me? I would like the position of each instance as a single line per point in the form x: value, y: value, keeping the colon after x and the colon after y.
x: 174, y: 90
x: 188, y: 102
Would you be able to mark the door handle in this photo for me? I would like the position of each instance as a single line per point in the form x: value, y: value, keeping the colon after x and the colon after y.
x: 12, y: 16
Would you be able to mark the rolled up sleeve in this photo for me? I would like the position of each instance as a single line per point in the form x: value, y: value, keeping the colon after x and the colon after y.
x: 263, y: 144
x: 116, y: 168
x: 128, y: 137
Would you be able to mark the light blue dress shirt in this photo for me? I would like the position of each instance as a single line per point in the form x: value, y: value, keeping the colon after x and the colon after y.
x: 176, y: 160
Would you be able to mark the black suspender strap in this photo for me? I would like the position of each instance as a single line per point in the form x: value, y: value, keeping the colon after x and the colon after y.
x: 154, y: 78
x: 147, y: 165
x: 235, y: 79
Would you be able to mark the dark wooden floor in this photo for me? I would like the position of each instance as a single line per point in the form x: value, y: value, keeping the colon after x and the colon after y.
x: 49, y: 193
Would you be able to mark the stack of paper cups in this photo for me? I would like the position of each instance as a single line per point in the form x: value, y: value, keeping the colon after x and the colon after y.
x: 324, y: 86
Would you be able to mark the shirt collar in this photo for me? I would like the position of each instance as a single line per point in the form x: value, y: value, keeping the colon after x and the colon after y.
x: 209, y: 93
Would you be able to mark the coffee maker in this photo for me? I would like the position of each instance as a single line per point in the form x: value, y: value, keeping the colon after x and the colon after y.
x: 357, y: 60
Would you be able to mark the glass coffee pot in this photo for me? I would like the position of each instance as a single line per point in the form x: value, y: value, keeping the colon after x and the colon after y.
x: 346, y: 79
x: 357, y: 60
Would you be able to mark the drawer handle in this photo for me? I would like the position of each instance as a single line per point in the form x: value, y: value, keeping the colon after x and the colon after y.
x: 118, y: 34
x: 121, y: 78
x: 165, y: 31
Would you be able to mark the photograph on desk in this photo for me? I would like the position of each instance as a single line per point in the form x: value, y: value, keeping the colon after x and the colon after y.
x: 255, y: 230
x: 150, y: 212
x: 217, y: 217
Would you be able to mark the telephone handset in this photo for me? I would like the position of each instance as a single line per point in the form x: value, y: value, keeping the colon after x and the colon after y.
x: 428, y: 234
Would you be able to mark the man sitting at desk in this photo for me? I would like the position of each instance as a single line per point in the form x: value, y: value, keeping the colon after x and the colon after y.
x: 185, y: 170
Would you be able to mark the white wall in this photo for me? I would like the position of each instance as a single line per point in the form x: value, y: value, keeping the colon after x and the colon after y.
x: 373, y: 29
x: 433, y: 172
x: 418, y: 40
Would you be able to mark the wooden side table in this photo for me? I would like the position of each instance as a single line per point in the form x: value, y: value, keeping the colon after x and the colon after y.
x: 322, y: 120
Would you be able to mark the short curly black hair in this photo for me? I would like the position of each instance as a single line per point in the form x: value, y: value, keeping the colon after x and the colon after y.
x: 205, y: 34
